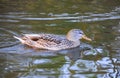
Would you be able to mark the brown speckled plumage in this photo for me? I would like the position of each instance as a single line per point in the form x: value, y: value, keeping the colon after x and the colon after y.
x: 51, y: 41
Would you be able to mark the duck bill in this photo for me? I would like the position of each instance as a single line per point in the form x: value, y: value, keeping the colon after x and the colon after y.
x: 86, y: 38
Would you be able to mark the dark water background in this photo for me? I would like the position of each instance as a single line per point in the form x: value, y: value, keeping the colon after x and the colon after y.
x: 99, y: 19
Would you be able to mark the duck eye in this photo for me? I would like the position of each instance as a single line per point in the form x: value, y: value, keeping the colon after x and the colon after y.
x: 80, y: 32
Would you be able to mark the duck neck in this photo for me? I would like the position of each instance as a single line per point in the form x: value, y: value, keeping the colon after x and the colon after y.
x: 71, y: 38
x: 75, y: 42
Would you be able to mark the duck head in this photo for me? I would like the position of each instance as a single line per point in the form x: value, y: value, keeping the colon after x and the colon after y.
x: 76, y: 34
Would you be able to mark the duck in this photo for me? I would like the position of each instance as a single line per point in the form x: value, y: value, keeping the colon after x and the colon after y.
x: 53, y: 41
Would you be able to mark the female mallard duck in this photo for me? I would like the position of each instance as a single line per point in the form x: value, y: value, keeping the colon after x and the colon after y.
x: 53, y: 42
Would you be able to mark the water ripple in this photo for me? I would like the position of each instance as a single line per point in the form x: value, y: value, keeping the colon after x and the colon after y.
x: 7, y: 39
x: 72, y: 18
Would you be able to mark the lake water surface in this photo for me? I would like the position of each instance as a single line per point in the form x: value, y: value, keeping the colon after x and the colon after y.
x: 99, y: 19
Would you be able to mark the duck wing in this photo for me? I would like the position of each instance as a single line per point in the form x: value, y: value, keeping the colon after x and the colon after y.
x: 48, y: 39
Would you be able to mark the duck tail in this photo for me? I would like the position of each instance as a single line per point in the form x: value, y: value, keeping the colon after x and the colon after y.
x: 20, y: 39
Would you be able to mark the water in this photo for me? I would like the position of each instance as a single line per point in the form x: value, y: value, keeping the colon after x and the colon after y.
x: 100, y: 20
